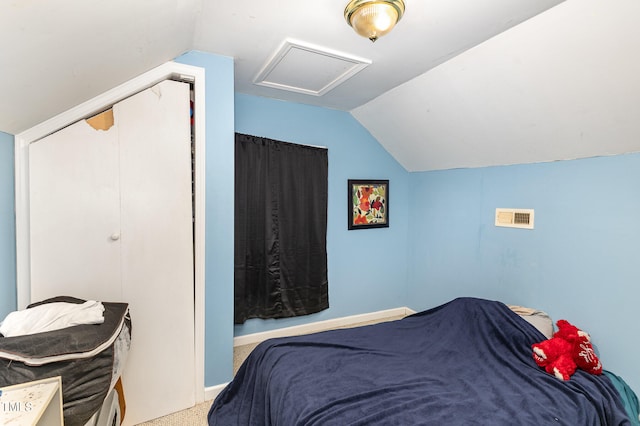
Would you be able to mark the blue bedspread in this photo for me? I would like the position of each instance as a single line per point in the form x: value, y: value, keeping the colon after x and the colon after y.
x: 467, y: 362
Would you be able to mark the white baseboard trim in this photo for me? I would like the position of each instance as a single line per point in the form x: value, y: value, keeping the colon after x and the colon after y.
x: 320, y: 326
x: 211, y: 392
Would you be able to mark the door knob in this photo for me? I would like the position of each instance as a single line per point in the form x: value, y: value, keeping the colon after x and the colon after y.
x: 115, y: 236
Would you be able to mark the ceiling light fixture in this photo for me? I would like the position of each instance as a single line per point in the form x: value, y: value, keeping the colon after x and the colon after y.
x: 373, y: 18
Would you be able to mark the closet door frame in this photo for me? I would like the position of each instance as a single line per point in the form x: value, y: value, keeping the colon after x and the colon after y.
x: 170, y: 70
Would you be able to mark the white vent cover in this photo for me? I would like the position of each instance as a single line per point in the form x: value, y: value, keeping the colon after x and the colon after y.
x: 515, y: 218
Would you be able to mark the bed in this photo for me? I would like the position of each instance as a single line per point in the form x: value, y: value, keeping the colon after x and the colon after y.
x: 467, y: 362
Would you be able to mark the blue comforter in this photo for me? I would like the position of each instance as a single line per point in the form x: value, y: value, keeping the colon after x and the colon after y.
x: 467, y: 362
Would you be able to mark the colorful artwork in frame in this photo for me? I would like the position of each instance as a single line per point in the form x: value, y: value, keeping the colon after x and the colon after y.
x: 368, y: 204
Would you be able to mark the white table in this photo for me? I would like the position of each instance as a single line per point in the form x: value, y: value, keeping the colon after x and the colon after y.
x: 32, y: 403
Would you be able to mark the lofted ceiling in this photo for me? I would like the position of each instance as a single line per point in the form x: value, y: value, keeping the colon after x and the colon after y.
x: 458, y: 83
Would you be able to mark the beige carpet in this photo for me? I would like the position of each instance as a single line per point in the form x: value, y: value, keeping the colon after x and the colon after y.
x: 197, y: 416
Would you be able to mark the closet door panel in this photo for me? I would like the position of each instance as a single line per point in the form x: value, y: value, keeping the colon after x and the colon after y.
x: 74, y: 214
x: 157, y: 249
x: 111, y: 220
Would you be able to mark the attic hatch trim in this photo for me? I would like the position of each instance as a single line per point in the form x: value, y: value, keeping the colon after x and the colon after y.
x: 302, y: 67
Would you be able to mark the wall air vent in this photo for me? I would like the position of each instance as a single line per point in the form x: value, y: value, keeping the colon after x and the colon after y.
x: 515, y: 218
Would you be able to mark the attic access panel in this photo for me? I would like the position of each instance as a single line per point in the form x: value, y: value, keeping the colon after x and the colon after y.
x: 308, y: 69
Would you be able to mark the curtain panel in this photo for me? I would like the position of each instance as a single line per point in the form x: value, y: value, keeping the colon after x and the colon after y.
x: 280, y: 229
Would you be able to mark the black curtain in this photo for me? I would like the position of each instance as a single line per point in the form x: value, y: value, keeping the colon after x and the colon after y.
x: 280, y: 229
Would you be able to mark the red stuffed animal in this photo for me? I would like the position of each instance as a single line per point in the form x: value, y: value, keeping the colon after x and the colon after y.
x: 583, y: 353
x: 568, y: 349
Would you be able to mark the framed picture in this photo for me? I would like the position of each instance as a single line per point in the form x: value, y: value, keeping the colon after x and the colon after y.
x: 368, y: 204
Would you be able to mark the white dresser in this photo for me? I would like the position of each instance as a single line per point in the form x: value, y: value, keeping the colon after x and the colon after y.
x: 32, y: 403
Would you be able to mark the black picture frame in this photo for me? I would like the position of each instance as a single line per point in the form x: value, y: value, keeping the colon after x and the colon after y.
x: 368, y: 203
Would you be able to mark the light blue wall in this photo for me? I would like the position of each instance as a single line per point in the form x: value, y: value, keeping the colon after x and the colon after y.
x: 367, y: 268
x: 219, y: 214
x: 580, y: 262
x: 8, y: 300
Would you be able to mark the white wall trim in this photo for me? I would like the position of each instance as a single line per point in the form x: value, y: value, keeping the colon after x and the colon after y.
x: 90, y: 108
x: 211, y: 392
x: 321, y: 326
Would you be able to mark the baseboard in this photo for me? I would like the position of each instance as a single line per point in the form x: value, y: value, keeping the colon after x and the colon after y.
x: 211, y: 392
x: 320, y: 326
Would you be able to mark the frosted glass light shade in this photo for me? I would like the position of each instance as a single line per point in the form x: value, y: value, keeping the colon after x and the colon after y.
x: 373, y: 18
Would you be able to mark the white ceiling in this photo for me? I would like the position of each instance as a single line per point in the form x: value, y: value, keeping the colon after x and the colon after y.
x: 458, y: 83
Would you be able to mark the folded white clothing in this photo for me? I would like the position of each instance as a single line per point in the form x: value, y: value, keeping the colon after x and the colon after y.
x: 51, y: 316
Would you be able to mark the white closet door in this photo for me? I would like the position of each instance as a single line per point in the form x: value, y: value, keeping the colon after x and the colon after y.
x: 111, y: 219
x: 74, y: 213
x: 157, y: 250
